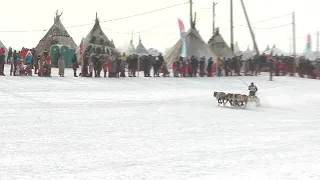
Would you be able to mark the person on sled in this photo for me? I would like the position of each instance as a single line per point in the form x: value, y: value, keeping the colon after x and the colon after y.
x: 252, y: 90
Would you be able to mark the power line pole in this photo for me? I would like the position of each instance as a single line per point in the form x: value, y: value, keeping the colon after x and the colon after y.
x: 191, y: 12
x: 290, y: 46
x: 250, y: 28
x: 294, y: 34
x: 318, y: 53
x: 213, y: 20
x: 231, y: 26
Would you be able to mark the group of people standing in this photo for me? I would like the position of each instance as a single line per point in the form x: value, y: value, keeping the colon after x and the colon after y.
x: 115, y: 66
x: 183, y: 67
x: 19, y: 61
x: 22, y: 63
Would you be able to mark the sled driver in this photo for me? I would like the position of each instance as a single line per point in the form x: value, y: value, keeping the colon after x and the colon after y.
x: 252, y: 90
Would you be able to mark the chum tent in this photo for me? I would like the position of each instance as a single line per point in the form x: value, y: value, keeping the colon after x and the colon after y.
x: 274, y: 51
x: 57, y: 34
x: 219, y: 47
x: 195, y: 46
x: 248, y: 54
x: 96, y: 43
x: 131, y: 49
x: 141, y: 50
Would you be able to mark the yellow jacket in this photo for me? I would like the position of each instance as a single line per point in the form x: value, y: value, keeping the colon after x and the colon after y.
x: 219, y: 61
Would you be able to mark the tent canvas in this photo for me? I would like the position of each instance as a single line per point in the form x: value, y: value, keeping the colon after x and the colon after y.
x: 275, y: 51
x: 141, y: 50
x: 237, y: 50
x: 97, y: 43
x: 57, y: 34
x: 219, y: 47
x: 247, y: 54
x: 131, y: 49
x: 196, y: 46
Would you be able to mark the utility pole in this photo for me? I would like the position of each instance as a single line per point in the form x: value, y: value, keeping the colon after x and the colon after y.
x: 318, y: 53
x: 250, y: 28
x: 213, y: 20
x: 231, y: 25
x: 290, y: 46
x: 294, y: 34
x: 191, y: 12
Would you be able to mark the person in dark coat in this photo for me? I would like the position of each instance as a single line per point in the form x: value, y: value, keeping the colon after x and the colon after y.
x: 36, y: 64
x: 134, y: 65
x: 9, y: 55
x: 14, y: 63
x: 209, y: 67
x: 123, y: 65
x: 194, y: 66
x: 2, y: 62
x: 75, y: 65
x: 271, y: 64
x: 202, y: 66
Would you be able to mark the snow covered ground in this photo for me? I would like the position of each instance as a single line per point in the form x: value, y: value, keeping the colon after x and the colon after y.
x: 157, y: 128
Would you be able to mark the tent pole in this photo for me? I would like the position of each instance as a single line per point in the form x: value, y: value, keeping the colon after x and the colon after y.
x: 191, y: 12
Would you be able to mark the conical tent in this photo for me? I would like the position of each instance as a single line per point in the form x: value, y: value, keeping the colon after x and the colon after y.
x: 275, y: 51
x: 131, y: 49
x: 267, y: 48
x: 57, y: 34
x: 219, y: 47
x: 247, y: 54
x: 112, y: 44
x: 97, y: 43
x: 195, y: 46
x: 237, y: 50
x: 141, y: 50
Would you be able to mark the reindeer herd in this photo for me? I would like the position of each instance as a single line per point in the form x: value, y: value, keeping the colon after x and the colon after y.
x: 238, y: 100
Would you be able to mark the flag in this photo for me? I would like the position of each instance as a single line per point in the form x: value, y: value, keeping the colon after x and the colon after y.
x: 308, y: 50
x: 183, y: 51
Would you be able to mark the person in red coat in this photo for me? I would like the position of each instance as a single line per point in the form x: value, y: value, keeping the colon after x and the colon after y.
x: 183, y: 68
x: 45, y: 65
x: 285, y: 68
x: 277, y: 67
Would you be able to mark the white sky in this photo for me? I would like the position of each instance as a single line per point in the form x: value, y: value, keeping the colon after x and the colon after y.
x: 163, y: 24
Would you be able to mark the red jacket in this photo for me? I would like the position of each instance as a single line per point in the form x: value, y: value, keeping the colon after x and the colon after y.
x: 277, y: 65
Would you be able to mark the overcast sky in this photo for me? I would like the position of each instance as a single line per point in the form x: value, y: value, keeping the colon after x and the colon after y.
x: 160, y: 29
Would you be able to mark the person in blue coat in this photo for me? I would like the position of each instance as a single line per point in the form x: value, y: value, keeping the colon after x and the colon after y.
x: 28, y: 58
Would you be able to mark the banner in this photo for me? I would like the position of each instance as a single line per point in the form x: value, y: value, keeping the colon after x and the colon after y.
x: 183, y: 48
x: 308, y: 51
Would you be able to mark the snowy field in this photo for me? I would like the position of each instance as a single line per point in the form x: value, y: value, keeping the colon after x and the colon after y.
x: 157, y: 128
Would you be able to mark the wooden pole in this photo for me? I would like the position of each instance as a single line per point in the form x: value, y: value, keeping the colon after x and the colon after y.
x: 213, y: 18
x: 318, y: 53
x: 191, y: 12
x: 250, y: 28
x: 294, y: 34
x: 231, y: 26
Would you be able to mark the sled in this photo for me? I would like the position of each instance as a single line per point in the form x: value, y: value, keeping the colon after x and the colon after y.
x: 254, y: 99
